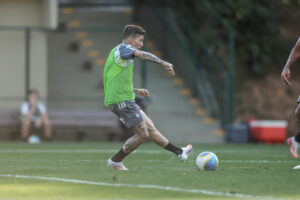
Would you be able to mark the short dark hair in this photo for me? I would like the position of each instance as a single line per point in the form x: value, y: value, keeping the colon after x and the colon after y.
x: 33, y: 91
x: 133, y: 31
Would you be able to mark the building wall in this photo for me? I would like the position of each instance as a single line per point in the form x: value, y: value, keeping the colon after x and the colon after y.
x: 14, y: 16
x: 21, y: 12
x: 12, y: 56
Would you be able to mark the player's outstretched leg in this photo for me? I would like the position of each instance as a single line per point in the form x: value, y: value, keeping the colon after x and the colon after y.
x: 162, y: 141
x: 294, y: 145
x: 294, y: 142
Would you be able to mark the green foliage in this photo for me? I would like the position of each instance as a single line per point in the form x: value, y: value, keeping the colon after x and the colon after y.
x: 258, y: 40
x: 256, y: 31
x: 291, y: 2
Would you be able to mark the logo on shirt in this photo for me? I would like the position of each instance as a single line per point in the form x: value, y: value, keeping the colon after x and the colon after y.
x: 127, y: 50
x: 137, y: 115
x: 122, y: 120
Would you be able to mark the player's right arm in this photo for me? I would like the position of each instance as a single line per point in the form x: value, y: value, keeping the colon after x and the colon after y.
x: 294, y: 55
x: 151, y: 57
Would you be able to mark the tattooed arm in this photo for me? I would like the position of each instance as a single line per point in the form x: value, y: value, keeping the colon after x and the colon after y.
x: 150, y: 57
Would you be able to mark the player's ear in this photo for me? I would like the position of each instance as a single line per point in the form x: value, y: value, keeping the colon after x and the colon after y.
x: 130, y: 40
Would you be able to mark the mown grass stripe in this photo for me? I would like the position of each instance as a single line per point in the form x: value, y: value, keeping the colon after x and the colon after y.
x: 159, y: 187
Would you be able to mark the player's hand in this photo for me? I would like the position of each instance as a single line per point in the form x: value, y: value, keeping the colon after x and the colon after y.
x: 32, y: 107
x: 285, y: 76
x: 142, y: 92
x: 169, y: 68
x: 32, y: 102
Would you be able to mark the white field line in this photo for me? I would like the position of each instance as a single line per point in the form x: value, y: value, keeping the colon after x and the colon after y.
x: 257, y: 161
x: 158, y: 187
x: 140, y: 151
x: 152, y: 161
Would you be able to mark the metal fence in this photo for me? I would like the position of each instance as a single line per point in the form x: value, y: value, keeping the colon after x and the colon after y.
x: 202, y: 51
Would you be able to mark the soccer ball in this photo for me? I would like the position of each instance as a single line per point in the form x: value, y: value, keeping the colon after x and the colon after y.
x: 34, y: 139
x: 207, y: 161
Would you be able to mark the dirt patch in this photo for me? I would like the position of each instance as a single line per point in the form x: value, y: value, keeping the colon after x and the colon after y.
x: 267, y: 99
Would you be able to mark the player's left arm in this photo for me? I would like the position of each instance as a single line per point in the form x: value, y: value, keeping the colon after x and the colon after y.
x: 141, y: 92
x: 294, y: 55
x: 151, y: 57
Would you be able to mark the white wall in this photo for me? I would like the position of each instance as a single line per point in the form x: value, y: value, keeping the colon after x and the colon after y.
x: 12, y: 56
x: 23, y: 13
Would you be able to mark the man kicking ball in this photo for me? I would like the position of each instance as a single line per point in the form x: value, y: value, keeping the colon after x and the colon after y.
x: 120, y: 94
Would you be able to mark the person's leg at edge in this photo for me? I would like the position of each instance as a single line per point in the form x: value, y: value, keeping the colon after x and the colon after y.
x: 294, y: 141
x: 141, y: 134
x: 297, y: 113
x: 162, y: 141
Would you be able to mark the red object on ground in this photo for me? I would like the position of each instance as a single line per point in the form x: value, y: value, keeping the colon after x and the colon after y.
x: 268, y: 131
x: 250, y: 120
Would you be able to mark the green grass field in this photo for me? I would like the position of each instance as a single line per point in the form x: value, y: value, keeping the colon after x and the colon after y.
x: 79, y: 171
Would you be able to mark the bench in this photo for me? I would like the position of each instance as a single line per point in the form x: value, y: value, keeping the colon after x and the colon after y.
x: 9, y: 117
x: 81, y: 120
x: 9, y: 124
x: 78, y: 121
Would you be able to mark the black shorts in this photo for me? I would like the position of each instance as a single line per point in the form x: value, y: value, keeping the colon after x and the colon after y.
x: 298, y: 100
x: 128, y: 112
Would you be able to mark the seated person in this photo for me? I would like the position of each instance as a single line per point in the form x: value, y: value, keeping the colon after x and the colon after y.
x: 34, y: 114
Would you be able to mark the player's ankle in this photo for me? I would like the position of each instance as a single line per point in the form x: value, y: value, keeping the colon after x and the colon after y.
x: 174, y: 149
x: 119, y: 156
x: 115, y: 160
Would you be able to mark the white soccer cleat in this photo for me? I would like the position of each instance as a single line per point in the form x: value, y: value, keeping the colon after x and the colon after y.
x: 185, y: 152
x: 116, y: 165
x: 293, y: 146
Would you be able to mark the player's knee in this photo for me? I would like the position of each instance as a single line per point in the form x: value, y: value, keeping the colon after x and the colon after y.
x: 141, y: 130
x: 144, y: 136
x: 151, y: 128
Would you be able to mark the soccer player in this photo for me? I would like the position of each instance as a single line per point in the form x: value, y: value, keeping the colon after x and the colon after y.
x: 119, y: 96
x: 293, y: 142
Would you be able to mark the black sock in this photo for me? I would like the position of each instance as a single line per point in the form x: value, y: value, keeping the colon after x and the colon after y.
x: 118, y: 157
x: 297, y: 137
x: 174, y: 149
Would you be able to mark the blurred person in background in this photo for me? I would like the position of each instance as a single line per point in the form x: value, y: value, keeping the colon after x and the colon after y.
x: 120, y: 95
x: 34, y: 113
x: 294, y: 142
